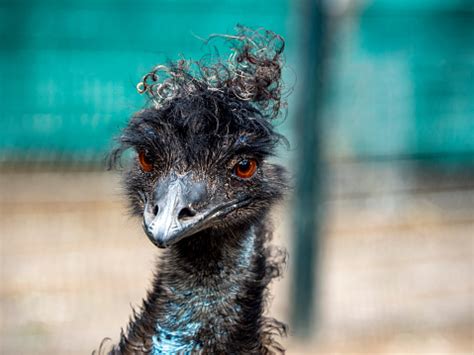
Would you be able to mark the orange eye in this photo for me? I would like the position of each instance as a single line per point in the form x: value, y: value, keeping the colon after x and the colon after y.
x: 145, y: 161
x: 246, y: 168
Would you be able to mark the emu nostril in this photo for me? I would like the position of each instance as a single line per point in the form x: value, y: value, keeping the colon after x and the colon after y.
x: 186, y: 212
x: 155, y: 210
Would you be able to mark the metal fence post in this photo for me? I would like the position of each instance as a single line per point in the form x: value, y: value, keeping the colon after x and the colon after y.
x: 312, y: 48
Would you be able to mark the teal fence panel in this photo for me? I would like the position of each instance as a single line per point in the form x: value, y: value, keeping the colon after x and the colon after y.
x: 403, y: 82
x: 400, y: 83
x: 69, y: 68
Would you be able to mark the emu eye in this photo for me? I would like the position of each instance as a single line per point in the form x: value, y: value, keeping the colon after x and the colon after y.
x: 245, y: 168
x: 145, y: 161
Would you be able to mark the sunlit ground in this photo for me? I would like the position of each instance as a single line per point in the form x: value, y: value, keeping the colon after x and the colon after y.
x: 396, y: 264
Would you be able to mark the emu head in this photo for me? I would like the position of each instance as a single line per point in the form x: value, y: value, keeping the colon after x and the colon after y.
x: 201, y: 153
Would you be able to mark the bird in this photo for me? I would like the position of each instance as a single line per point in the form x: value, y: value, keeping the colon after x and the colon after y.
x: 202, y: 180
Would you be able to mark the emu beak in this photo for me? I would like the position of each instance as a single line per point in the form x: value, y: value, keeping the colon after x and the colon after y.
x: 173, y: 215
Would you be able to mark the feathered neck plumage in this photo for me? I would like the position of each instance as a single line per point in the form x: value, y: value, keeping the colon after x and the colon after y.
x: 208, y: 294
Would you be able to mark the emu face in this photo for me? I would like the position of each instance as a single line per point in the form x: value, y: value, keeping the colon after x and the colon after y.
x: 201, y: 164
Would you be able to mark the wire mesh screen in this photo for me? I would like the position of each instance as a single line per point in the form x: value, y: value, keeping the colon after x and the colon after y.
x: 69, y: 69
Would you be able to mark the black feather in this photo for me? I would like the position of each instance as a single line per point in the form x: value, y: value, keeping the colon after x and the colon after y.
x: 210, y: 289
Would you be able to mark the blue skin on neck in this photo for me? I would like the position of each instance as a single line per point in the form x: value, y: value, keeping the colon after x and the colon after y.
x: 178, y: 331
x: 172, y: 342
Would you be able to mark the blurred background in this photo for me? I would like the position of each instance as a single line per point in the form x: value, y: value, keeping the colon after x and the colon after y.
x: 380, y: 227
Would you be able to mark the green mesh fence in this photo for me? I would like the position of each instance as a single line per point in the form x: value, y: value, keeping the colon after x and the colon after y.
x: 400, y: 79
x: 69, y: 68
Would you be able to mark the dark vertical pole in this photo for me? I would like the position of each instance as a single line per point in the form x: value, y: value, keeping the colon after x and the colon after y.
x: 312, y: 48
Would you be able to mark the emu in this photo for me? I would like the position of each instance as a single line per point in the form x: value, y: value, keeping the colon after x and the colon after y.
x: 203, y: 185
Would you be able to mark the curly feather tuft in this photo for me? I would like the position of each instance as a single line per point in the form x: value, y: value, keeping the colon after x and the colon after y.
x: 252, y: 73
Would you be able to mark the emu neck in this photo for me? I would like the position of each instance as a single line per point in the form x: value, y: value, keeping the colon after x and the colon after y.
x: 208, y: 294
